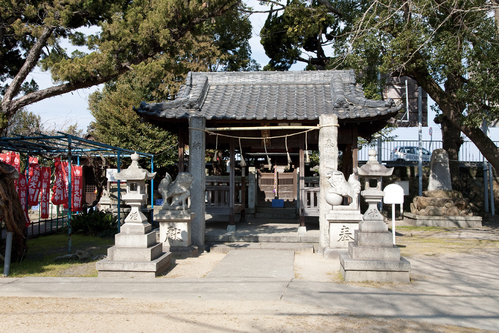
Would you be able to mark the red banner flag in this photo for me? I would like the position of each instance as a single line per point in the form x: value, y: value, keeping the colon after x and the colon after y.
x: 34, y: 184
x: 77, y: 188
x: 59, y: 191
x: 45, y: 189
x: 23, y: 192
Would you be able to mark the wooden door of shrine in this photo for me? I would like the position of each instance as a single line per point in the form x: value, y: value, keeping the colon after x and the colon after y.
x: 279, y: 185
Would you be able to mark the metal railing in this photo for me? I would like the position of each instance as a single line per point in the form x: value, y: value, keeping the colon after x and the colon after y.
x: 468, y: 152
x: 57, y: 221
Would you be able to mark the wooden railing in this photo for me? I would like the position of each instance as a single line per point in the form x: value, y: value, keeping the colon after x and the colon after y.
x: 310, y: 196
x: 217, y: 196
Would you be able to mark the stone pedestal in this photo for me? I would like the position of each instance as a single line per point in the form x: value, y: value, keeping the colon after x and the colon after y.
x: 343, y: 222
x: 136, y: 253
x: 372, y: 255
x: 175, y: 232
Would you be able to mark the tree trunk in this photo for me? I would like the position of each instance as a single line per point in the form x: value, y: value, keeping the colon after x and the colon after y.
x: 12, y: 211
x: 451, y: 142
x: 452, y: 110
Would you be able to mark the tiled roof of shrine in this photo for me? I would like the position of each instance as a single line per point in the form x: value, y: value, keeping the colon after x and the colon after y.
x: 303, y: 95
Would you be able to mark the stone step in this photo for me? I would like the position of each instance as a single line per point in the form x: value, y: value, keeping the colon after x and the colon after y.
x: 296, y: 247
x: 261, y: 238
x: 274, y: 211
x: 276, y: 215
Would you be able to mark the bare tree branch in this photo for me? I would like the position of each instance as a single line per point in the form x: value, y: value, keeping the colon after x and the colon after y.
x: 30, y: 63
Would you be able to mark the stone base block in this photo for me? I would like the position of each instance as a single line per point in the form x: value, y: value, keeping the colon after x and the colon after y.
x: 374, y: 270
x: 375, y: 276
x: 330, y: 253
x: 182, y: 251
x: 134, y: 254
x: 444, y: 221
x: 340, y: 234
x: 302, y: 230
x: 133, y: 269
x: 373, y: 253
x: 378, y: 239
x: 175, y: 233
x: 231, y: 228
x: 135, y: 228
x: 378, y: 226
x: 135, y: 240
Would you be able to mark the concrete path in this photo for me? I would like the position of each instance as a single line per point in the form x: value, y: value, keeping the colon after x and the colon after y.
x: 255, y: 264
x: 443, y: 291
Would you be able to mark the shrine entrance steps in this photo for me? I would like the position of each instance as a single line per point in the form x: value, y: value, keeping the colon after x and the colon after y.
x: 262, y: 234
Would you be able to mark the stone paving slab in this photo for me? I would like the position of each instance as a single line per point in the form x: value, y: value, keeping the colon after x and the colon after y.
x: 255, y: 264
x: 227, y: 247
x: 152, y: 289
x: 462, y: 310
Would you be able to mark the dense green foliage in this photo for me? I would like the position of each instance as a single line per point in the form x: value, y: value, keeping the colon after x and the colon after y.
x: 117, y: 124
x: 222, y: 44
x: 94, y: 223
x: 132, y: 33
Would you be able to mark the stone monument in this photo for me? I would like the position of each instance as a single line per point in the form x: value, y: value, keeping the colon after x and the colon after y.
x: 372, y: 255
x: 136, y: 252
x: 440, y: 206
x: 343, y: 219
x: 439, y: 171
x: 175, y: 216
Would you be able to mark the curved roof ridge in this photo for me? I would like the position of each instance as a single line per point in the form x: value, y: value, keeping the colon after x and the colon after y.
x: 303, y: 95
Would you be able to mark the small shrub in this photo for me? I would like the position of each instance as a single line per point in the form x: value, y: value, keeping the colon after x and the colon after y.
x: 94, y: 223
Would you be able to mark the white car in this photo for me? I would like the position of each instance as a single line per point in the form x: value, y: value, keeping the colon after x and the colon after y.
x: 409, y: 153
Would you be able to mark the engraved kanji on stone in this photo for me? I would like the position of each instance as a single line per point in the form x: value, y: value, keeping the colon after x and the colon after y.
x: 330, y: 144
x: 197, y: 145
x: 174, y: 234
x: 345, y: 234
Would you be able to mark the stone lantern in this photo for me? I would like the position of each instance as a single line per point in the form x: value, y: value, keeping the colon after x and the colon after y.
x: 136, y: 252
x: 372, y: 255
x: 136, y: 195
x: 372, y: 172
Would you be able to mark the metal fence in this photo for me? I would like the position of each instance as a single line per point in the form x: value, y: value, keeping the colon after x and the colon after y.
x: 38, y: 227
x: 468, y: 152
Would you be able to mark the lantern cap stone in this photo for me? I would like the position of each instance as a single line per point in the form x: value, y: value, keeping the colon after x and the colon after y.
x: 135, y: 171
x: 373, y: 169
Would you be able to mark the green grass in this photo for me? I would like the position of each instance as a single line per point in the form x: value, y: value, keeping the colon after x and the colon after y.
x: 39, y: 260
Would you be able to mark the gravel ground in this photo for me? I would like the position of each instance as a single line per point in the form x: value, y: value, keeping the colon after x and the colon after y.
x: 131, y: 315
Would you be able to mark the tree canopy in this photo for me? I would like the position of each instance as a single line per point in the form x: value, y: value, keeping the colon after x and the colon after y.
x: 450, y: 47
x: 131, y: 33
x: 117, y: 124
x: 220, y: 44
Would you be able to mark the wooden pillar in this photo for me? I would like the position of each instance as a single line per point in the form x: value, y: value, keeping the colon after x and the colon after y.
x: 301, y: 184
x: 355, y: 158
x: 243, y: 192
x: 181, y: 146
x: 232, y: 183
x: 347, y: 160
x: 355, y: 150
